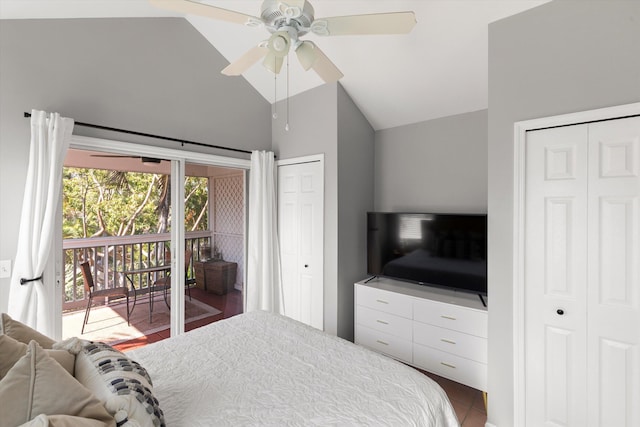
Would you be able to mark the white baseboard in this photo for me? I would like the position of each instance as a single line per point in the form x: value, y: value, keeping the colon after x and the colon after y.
x: 489, y: 425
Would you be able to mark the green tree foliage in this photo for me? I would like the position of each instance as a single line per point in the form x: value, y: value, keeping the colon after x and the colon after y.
x: 98, y: 203
x: 109, y: 203
x: 196, y: 204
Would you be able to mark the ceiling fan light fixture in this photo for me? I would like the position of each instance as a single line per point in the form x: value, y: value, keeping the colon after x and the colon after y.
x: 279, y: 43
x: 307, y: 54
x: 273, y: 62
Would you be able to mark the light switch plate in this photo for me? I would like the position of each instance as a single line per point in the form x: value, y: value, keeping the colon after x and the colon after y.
x: 5, y: 268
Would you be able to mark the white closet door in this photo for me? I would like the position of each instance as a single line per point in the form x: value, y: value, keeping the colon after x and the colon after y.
x: 582, y: 275
x: 614, y: 273
x: 300, y: 226
x: 555, y: 277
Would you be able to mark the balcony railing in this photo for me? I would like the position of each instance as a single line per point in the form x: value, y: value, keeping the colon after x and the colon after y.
x: 109, y: 256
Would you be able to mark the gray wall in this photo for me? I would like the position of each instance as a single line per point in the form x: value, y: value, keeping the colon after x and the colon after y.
x: 127, y: 73
x: 337, y: 128
x: 313, y: 129
x: 438, y: 165
x: 562, y: 57
x: 355, y: 199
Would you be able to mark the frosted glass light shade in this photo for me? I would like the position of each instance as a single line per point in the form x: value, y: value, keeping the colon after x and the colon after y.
x: 273, y: 63
x: 307, y: 54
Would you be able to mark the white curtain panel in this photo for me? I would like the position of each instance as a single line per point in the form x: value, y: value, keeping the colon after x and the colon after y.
x: 264, y: 284
x: 50, y: 140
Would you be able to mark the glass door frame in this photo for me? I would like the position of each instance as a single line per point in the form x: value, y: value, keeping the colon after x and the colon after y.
x: 179, y: 158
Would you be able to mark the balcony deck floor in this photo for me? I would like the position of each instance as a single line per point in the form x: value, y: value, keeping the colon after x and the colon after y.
x: 229, y: 305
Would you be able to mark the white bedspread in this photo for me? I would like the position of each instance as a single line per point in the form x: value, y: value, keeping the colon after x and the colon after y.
x: 260, y: 369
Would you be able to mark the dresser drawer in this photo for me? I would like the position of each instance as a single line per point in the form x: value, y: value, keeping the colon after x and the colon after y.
x: 458, y: 318
x: 450, y: 341
x: 388, y: 302
x: 459, y: 369
x: 381, y: 342
x: 384, y: 322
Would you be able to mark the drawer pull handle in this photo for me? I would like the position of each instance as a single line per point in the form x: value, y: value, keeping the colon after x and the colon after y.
x: 448, y: 365
x: 383, y: 322
x: 382, y: 342
x: 382, y: 301
x: 447, y: 341
x: 448, y: 317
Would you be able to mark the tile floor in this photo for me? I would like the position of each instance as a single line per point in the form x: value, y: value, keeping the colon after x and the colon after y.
x: 467, y: 402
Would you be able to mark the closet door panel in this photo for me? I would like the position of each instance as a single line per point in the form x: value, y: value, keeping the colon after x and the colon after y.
x: 555, y: 276
x: 614, y: 273
x: 582, y: 275
x: 300, y: 225
x: 617, y: 393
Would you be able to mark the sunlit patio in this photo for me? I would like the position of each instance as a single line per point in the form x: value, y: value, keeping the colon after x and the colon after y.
x: 137, y: 263
x: 109, y: 323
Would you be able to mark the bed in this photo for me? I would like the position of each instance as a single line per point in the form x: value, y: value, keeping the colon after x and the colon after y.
x: 264, y: 369
x: 255, y: 369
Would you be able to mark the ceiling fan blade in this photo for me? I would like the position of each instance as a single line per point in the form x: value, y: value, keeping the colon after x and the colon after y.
x: 145, y: 160
x: 312, y: 57
x: 194, y: 8
x: 377, y: 23
x: 150, y: 160
x: 243, y: 63
x: 273, y: 62
x: 115, y: 155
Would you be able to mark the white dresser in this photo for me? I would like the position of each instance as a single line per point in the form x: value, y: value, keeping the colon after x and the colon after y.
x: 438, y: 330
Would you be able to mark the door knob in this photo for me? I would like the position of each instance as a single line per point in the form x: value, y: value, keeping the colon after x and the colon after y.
x: 560, y: 311
x: 306, y: 265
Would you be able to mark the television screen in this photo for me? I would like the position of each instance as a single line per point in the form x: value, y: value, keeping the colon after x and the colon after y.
x: 448, y: 250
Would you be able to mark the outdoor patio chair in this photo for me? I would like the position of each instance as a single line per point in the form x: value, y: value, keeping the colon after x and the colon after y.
x: 91, y: 293
x: 164, y: 284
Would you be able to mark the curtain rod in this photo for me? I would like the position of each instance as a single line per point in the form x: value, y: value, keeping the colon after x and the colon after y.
x: 149, y: 135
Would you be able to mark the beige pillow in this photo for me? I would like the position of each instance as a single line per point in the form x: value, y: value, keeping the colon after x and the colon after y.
x: 37, y: 384
x: 11, y: 350
x: 63, y: 421
x: 22, y: 332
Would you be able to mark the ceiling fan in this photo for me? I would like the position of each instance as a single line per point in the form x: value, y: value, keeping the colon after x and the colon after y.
x: 145, y: 160
x: 287, y: 21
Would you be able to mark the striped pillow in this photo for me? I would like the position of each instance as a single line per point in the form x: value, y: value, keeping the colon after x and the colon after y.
x: 122, y: 384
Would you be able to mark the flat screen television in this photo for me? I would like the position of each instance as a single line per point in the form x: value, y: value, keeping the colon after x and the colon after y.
x: 445, y: 250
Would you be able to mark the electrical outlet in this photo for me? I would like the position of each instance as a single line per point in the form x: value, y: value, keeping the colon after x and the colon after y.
x: 5, y: 268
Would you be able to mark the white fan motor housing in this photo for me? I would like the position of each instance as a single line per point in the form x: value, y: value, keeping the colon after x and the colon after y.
x: 277, y: 14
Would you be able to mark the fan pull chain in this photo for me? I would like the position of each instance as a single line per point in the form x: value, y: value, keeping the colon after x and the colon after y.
x: 274, y: 109
x: 286, y: 126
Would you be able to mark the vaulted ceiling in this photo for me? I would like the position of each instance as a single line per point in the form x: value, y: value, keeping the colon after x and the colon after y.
x: 439, y: 69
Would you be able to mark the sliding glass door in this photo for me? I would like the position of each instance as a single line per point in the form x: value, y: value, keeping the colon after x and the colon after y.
x: 192, y: 233
x: 116, y: 225
x: 214, y: 202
